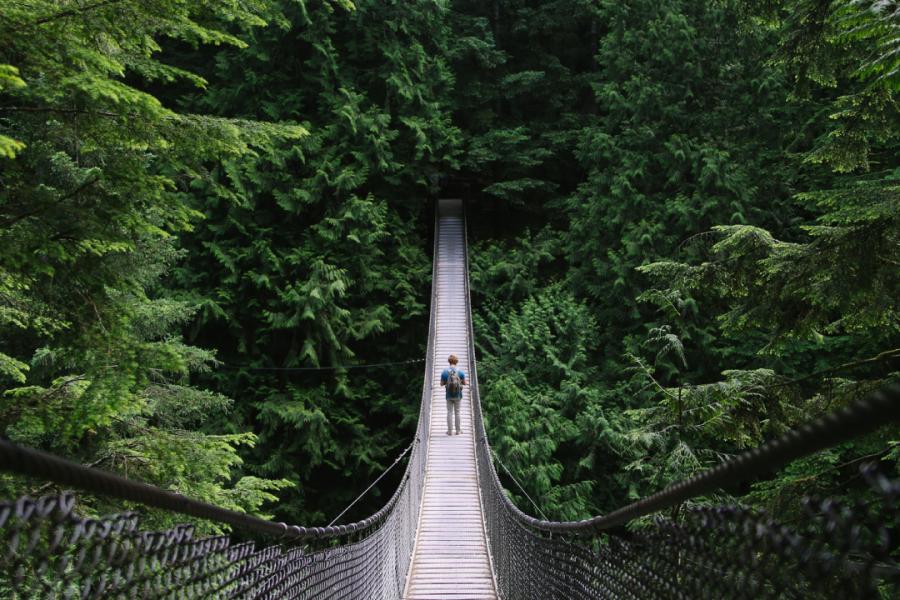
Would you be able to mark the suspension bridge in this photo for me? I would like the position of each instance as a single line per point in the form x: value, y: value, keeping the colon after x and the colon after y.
x: 449, y: 531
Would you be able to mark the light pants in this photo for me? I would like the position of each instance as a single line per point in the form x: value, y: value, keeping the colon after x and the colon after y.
x: 453, y: 407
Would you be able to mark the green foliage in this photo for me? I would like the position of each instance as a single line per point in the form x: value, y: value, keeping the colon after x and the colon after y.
x: 873, y: 24
x: 841, y: 281
x: 313, y: 255
x: 664, y: 155
x: 684, y: 219
x: 698, y: 206
x: 848, y: 50
x: 694, y: 427
x: 93, y: 187
x: 539, y: 385
x: 827, y: 298
x: 9, y: 79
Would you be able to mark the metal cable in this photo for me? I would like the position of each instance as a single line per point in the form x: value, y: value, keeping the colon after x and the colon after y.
x: 519, y: 485
x: 331, y: 368
x: 879, y: 409
x: 35, y: 463
x: 371, y: 485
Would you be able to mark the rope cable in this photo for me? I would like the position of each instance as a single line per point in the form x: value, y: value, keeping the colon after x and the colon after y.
x: 35, y: 463
x: 865, y: 416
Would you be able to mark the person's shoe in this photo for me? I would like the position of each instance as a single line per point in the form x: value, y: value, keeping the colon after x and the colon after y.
x: 449, y: 432
x: 457, y: 432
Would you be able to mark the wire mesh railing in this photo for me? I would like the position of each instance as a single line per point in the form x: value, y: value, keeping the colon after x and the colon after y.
x: 840, y: 552
x: 48, y: 551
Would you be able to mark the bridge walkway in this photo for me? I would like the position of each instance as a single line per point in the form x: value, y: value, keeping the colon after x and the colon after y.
x: 451, y: 560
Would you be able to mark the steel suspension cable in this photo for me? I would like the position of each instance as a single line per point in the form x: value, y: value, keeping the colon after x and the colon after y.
x: 35, y: 463
x: 371, y: 485
x: 519, y: 485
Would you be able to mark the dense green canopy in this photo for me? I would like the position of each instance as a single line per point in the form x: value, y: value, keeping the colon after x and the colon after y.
x: 685, y: 231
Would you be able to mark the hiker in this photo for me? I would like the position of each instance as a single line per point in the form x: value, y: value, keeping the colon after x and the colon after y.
x: 453, y: 379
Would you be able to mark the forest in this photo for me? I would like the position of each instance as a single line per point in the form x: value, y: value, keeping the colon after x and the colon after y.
x: 216, y: 225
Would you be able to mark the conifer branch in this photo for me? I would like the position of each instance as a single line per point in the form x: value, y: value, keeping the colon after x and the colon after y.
x: 37, y: 211
x: 75, y: 11
x: 880, y: 357
x: 42, y: 109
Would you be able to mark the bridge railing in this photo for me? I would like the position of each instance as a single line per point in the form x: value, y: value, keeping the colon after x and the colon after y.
x: 840, y: 552
x: 48, y: 551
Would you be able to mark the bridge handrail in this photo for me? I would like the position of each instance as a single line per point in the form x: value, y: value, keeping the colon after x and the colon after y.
x: 864, y: 416
x: 114, y: 555
x: 726, y: 551
x: 36, y: 463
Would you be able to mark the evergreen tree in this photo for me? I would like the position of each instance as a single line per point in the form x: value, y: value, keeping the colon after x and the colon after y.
x: 659, y: 124
x: 821, y: 306
x: 684, y: 223
x: 94, y: 174
x: 315, y: 255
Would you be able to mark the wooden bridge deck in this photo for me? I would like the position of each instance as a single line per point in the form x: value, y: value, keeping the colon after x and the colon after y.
x: 451, y: 559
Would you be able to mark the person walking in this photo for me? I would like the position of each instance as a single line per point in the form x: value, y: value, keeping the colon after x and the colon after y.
x: 453, y: 379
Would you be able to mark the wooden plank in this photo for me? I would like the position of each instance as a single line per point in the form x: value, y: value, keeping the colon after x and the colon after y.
x: 451, y: 558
